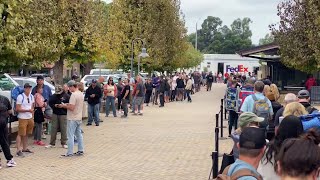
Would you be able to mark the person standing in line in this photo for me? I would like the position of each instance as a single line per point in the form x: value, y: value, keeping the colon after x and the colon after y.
x: 125, y: 96
x: 166, y: 90
x: 161, y: 91
x: 25, y: 109
x: 93, y: 95
x: 119, y: 90
x: 39, y: 107
x: 59, y: 117
x: 5, y: 111
x: 173, y: 87
x: 156, y: 85
x: 138, y: 96
x: 148, y: 86
x: 74, y: 117
x: 131, y: 84
x: 209, y: 81
x: 46, y: 94
x: 110, y: 93
x: 189, y: 88
x: 180, y: 88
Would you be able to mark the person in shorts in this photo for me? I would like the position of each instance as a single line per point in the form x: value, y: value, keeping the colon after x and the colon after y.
x: 25, y: 109
x: 139, y: 95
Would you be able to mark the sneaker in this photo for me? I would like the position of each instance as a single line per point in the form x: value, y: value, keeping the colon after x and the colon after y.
x: 35, y: 142
x: 40, y: 143
x: 44, y: 136
x: 27, y: 151
x: 65, y: 146
x: 20, y: 154
x: 66, y: 155
x: 11, y: 163
x: 79, y: 153
x: 50, y: 146
x: 97, y: 124
x: 101, y: 121
x: 89, y: 124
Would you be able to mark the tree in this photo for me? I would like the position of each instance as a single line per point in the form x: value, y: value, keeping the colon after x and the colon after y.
x: 298, y: 34
x: 157, y: 22
x: 214, y: 38
x: 269, y: 38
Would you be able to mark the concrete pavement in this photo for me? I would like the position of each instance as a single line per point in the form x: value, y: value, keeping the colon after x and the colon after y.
x: 174, y: 142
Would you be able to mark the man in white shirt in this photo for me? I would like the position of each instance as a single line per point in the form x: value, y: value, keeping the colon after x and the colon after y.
x: 74, y: 117
x: 25, y: 109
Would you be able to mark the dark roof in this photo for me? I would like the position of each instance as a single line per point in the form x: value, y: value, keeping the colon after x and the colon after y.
x: 268, y: 52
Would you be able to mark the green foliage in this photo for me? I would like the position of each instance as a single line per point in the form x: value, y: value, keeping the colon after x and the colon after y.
x: 298, y: 34
x: 214, y: 38
x: 269, y: 38
x: 159, y: 23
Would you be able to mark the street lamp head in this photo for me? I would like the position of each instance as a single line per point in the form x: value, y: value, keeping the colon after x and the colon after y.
x: 144, y: 53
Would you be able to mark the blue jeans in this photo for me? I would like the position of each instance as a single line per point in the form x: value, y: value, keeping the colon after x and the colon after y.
x: 110, y: 100
x: 93, y: 112
x: 74, y: 129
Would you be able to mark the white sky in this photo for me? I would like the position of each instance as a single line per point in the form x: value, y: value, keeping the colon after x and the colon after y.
x: 262, y: 13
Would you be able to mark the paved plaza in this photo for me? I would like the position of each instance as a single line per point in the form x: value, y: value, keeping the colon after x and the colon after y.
x: 174, y: 142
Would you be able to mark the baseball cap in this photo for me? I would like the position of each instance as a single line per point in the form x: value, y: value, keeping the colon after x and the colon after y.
x: 71, y: 83
x: 27, y: 85
x: 252, y: 138
x: 58, y: 89
x: 303, y: 94
x: 94, y: 81
x: 40, y: 77
x: 248, y: 117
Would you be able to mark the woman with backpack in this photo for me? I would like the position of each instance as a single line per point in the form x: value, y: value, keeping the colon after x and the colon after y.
x: 39, y: 108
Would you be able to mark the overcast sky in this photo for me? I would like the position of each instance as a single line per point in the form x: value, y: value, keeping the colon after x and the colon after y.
x: 262, y: 13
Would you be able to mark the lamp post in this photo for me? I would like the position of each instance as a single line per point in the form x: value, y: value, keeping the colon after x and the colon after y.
x: 143, y: 54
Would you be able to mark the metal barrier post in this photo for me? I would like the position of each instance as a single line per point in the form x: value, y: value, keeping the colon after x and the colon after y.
x: 217, y: 120
x: 221, y: 121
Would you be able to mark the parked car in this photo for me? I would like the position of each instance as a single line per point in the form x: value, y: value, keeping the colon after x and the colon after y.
x: 86, y: 80
x: 6, y: 85
x: 33, y: 82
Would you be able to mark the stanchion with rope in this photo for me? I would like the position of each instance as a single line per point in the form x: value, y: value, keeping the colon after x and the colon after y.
x: 221, y: 121
x: 215, y: 154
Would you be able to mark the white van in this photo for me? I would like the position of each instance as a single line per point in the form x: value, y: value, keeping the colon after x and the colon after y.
x: 6, y: 85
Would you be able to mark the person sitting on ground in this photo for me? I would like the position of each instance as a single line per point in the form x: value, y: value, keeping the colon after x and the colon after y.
x: 252, y: 146
x: 289, y: 98
x: 290, y: 127
x: 300, y: 158
x: 304, y: 99
x: 247, y: 119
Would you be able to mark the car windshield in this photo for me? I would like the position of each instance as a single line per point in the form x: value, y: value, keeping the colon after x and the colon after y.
x: 88, y: 78
x: 5, y: 83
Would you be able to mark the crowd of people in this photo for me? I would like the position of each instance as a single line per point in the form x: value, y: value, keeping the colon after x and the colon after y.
x: 271, y: 141
x: 35, y: 107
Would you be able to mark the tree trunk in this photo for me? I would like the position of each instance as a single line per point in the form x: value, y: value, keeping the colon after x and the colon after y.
x: 58, y: 72
x: 88, y: 67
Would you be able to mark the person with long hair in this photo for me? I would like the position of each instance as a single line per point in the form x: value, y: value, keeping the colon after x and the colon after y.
x: 300, y: 158
x: 290, y: 127
x: 110, y: 94
x: 295, y: 109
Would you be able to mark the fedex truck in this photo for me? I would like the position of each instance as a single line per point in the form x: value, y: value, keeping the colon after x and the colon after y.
x: 229, y: 63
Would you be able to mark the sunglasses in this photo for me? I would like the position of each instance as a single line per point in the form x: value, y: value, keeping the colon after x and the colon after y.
x: 110, y: 79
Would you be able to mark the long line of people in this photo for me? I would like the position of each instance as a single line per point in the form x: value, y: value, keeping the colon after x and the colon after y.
x: 272, y: 142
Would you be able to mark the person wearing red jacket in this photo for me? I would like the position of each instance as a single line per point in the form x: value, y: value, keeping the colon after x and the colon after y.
x: 311, y: 81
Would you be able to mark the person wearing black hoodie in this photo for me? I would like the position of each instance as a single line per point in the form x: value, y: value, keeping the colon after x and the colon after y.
x: 161, y: 91
x: 59, y: 116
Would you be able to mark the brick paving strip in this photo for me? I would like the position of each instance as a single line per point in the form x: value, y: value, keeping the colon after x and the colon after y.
x: 174, y: 142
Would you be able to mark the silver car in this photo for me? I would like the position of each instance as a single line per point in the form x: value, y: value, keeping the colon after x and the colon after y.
x: 33, y: 82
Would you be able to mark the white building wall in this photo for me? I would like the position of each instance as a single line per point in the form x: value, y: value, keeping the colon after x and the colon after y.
x: 232, y: 61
